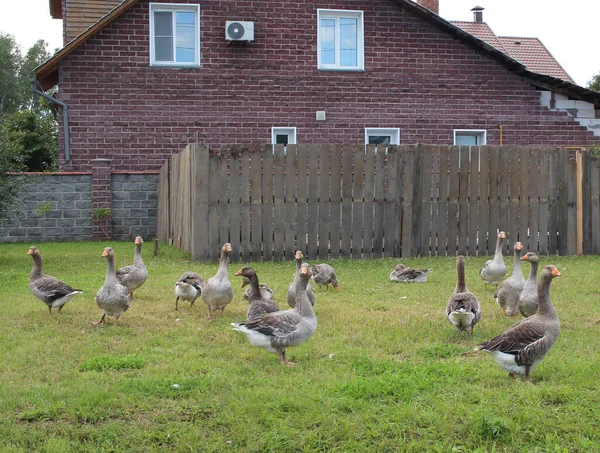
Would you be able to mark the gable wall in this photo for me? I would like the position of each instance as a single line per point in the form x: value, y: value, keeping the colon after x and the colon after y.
x: 417, y: 78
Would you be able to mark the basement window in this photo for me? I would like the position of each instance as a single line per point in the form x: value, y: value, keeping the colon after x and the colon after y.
x: 174, y: 35
x: 382, y: 136
x: 470, y: 137
x: 283, y: 136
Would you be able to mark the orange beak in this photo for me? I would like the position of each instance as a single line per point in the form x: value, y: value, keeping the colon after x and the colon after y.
x: 298, y: 256
x: 238, y: 273
x: 30, y: 252
x: 104, y: 254
x: 228, y: 247
x: 137, y: 241
x: 524, y: 258
x: 555, y: 272
x: 502, y: 235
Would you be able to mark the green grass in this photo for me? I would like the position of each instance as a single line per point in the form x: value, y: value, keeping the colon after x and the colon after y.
x: 384, y: 372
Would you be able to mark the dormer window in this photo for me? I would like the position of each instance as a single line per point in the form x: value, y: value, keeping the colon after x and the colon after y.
x: 174, y: 34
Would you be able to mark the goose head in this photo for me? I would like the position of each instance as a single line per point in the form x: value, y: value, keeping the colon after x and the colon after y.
x: 530, y: 256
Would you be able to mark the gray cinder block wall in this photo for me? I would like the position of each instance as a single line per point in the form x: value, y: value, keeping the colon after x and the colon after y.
x: 57, y: 207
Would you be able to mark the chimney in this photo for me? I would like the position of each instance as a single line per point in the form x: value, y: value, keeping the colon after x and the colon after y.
x: 478, y: 14
x: 433, y: 5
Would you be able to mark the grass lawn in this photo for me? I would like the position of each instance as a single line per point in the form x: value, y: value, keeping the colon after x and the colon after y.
x: 385, y: 370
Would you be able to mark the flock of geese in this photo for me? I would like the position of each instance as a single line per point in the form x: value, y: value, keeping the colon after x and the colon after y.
x: 517, y: 350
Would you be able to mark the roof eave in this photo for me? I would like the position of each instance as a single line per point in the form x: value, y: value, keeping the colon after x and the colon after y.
x: 47, y: 73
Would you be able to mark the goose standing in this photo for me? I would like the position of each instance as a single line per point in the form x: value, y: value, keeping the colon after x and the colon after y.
x: 528, y: 300
x: 265, y: 290
x: 188, y: 287
x: 508, y: 292
x: 278, y: 331
x: 403, y: 274
x: 323, y: 274
x: 291, y: 295
x: 112, y: 298
x: 494, y: 270
x: 520, y: 348
x: 217, y: 292
x: 52, y: 291
x: 134, y: 275
x: 259, y: 305
x: 463, y: 310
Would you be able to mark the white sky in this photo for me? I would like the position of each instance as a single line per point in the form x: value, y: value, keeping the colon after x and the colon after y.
x: 568, y: 29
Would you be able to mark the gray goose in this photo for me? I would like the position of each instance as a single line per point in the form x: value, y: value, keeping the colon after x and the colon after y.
x: 265, y: 290
x: 323, y: 274
x: 217, y: 292
x: 277, y: 331
x: 291, y: 295
x: 463, y: 310
x: 528, y: 300
x: 494, y: 270
x: 508, y: 292
x: 134, y: 275
x: 188, y: 287
x: 520, y: 348
x: 50, y: 290
x: 403, y: 274
x: 259, y: 305
x: 112, y: 298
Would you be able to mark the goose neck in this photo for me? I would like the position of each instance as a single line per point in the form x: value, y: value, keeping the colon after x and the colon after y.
x: 36, y: 270
x: 545, y: 306
x: 461, y: 285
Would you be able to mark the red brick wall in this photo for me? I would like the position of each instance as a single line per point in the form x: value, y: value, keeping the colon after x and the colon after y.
x: 417, y: 78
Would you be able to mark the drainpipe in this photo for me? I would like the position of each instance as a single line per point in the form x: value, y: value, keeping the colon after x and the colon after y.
x: 65, y: 110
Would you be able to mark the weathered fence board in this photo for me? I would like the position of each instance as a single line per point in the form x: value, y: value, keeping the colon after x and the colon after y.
x: 342, y: 201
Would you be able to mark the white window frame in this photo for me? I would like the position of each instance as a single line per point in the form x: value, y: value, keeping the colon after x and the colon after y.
x: 360, y: 39
x: 480, y: 133
x: 393, y: 132
x: 291, y: 132
x: 172, y: 8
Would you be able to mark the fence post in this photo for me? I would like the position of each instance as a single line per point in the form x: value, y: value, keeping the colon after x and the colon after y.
x: 579, y: 183
x: 201, y: 183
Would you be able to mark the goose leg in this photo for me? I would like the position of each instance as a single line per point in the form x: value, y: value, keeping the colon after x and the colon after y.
x: 511, y: 375
x: 177, y: 304
x: 527, y: 371
x: 283, y: 360
x: 60, y: 309
x: 50, y: 308
x: 101, y: 321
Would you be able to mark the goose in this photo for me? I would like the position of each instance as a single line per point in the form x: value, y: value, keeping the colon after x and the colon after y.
x: 463, y: 310
x: 188, y: 287
x: 323, y: 274
x: 265, y: 290
x: 291, y: 295
x: 52, y: 291
x: 134, y: 275
x: 520, y: 348
x: 280, y: 330
x: 113, y: 298
x: 403, y: 274
x: 528, y: 300
x: 259, y: 305
x: 508, y: 292
x: 217, y: 292
x: 494, y: 270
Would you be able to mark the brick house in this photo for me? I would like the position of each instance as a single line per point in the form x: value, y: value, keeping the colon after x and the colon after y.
x: 146, y: 78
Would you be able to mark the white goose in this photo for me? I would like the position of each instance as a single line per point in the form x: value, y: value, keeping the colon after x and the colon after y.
x: 494, y: 270
x: 217, y: 292
x: 112, y: 298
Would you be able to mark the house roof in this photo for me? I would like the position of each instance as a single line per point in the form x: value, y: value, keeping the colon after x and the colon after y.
x: 529, y: 51
x: 47, y: 72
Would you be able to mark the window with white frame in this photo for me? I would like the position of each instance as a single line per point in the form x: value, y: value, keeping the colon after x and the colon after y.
x: 340, y: 39
x: 174, y: 34
x: 382, y: 136
x: 283, y: 135
x: 470, y: 137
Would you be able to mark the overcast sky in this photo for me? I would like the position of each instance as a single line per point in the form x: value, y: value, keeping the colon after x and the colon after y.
x: 568, y: 29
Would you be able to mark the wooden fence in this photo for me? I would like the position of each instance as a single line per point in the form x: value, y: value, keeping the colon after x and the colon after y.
x: 333, y: 201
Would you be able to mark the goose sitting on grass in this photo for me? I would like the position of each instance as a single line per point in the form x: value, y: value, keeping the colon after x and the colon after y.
x: 50, y: 290
x: 265, y: 290
x: 280, y: 330
x: 403, y: 274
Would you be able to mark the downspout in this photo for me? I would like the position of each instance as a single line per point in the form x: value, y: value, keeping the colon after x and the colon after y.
x: 501, y: 138
x: 65, y: 110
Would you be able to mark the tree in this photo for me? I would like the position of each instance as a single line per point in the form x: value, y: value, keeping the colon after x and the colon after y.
x: 10, y: 65
x: 594, y: 84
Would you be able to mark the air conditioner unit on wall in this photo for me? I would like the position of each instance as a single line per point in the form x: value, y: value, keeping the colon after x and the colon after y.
x: 239, y: 30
